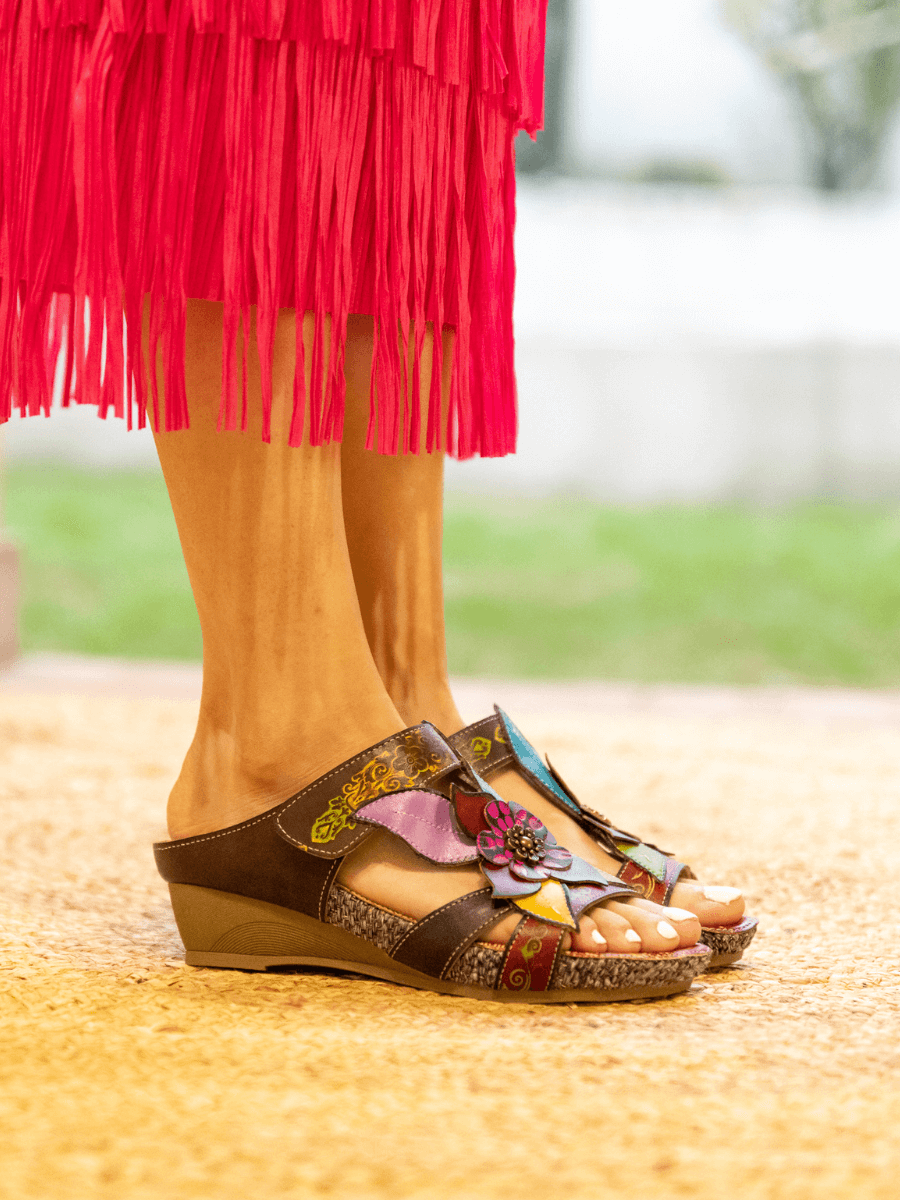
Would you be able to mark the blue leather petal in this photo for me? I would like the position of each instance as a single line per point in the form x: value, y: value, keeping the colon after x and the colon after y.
x: 583, y: 896
x: 530, y: 762
x: 583, y: 872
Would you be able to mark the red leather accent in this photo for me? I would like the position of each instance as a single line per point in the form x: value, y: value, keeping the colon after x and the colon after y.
x: 531, y: 957
x: 470, y: 810
x: 648, y: 886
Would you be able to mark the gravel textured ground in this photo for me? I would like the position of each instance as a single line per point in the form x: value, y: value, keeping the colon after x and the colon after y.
x: 128, y: 1075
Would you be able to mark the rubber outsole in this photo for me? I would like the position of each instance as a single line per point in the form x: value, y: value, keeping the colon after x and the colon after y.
x: 223, y: 930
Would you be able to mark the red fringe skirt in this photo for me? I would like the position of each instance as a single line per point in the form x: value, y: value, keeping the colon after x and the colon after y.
x: 333, y: 156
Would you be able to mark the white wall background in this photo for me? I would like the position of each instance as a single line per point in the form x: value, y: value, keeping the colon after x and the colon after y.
x: 666, y: 79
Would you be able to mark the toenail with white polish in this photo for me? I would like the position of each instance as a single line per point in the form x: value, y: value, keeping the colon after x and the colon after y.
x: 598, y: 937
x: 664, y: 929
x: 631, y: 935
x: 721, y: 895
x: 680, y: 914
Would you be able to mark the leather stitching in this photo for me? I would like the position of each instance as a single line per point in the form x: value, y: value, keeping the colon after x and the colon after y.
x: 508, y: 950
x: 209, y: 837
x: 484, y: 724
x: 420, y: 821
x: 556, y: 957
x: 497, y: 763
x: 326, y: 888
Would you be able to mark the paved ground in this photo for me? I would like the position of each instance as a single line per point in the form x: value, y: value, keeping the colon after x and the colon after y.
x: 127, y: 1075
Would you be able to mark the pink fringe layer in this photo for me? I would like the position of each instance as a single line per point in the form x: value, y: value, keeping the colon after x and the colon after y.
x: 333, y: 156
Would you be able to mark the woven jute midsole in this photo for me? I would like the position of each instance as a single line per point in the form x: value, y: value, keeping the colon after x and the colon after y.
x: 225, y: 930
x: 728, y: 942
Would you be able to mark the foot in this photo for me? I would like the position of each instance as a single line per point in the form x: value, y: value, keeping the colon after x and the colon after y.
x: 384, y: 870
x: 387, y: 872
x: 692, y: 905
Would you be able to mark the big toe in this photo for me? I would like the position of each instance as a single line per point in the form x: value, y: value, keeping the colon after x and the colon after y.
x: 712, y: 904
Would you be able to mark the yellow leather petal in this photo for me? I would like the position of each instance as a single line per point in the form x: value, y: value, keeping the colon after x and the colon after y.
x: 549, y: 904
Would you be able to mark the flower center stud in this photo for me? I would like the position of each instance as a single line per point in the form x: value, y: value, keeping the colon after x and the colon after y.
x: 523, y: 844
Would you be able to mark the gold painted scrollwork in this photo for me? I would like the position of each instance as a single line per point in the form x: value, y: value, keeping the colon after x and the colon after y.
x: 398, y: 766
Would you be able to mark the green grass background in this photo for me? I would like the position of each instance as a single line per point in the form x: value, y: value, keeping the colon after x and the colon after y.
x: 550, y: 588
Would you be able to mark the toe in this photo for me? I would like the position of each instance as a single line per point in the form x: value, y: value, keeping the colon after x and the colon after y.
x: 589, y: 938
x: 654, y: 930
x: 712, y: 905
x: 620, y: 935
x: 685, y: 923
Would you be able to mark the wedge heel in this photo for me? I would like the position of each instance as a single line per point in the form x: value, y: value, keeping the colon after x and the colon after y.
x: 220, y: 929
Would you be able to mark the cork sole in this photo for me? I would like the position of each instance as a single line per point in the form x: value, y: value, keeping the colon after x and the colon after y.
x: 220, y: 929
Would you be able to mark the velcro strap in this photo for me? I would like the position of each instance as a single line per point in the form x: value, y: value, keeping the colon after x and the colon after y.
x: 531, y: 957
x: 484, y: 746
x: 437, y: 940
x: 320, y: 819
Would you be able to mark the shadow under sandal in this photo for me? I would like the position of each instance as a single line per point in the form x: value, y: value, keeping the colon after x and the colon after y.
x: 496, y: 743
x: 263, y: 894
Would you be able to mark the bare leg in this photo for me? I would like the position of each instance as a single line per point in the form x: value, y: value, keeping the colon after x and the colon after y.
x: 290, y: 688
x: 393, y: 510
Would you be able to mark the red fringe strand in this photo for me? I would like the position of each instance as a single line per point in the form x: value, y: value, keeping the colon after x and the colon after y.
x: 333, y: 156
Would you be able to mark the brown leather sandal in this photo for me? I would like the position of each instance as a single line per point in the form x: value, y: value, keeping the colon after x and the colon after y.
x: 490, y: 745
x: 263, y: 894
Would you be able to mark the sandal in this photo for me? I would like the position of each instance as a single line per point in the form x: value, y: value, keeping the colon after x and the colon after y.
x: 496, y: 742
x: 262, y: 893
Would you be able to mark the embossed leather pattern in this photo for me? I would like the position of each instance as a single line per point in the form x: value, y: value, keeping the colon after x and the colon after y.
x: 321, y: 819
x: 484, y: 746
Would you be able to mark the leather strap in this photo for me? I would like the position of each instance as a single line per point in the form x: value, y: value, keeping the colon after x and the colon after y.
x: 437, y: 940
x: 321, y: 818
x: 531, y: 957
x: 651, y: 888
x: 484, y: 746
x: 250, y: 859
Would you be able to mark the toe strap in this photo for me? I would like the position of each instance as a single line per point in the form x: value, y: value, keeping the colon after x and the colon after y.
x: 433, y: 944
x: 531, y: 957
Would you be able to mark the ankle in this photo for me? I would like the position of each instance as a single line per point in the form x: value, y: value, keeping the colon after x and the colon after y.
x: 433, y: 703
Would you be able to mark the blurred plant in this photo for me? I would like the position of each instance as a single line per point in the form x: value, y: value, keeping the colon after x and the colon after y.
x: 841, y: 59
x: 679, y: 172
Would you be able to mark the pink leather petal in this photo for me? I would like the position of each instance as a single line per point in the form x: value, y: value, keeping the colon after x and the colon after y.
x: 425, y: 821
